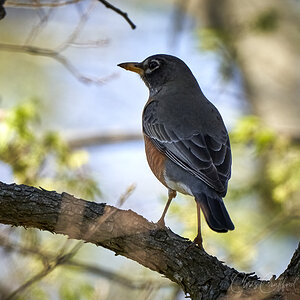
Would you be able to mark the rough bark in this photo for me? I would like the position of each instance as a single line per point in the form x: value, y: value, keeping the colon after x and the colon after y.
x: 126, y: 233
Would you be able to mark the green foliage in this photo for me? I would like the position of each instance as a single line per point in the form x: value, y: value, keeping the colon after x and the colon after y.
x: 37, y: 293
x: 42, y: 158
x: 280, y: 162
x: 212, y: 39
x: 267, y: 21
x: 221, y: 42
x: 250, y: 130
x: 82, y: 290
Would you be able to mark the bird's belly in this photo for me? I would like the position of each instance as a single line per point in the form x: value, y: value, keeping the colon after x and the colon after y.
x: 156, y: 160
x: 177, y: 186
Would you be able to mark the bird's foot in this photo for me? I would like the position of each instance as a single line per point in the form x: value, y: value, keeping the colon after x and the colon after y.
x: 198, y: 241
x: 161, y: 223
x: 194, y: 244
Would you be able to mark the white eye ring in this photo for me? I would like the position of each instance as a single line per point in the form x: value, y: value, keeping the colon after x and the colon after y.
x: 153, y: 65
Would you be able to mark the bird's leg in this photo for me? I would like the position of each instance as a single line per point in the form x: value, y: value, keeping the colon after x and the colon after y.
x: 198, y: 238
x: 171, y: 196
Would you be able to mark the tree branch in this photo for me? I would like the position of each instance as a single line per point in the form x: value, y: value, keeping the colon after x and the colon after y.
x: 2, y: 10
x: 32, y: 50
x: 33, y: 4
x: 129, y: 234
x: 48, y: 258
x: 39, y: 4
x: 118, y: 11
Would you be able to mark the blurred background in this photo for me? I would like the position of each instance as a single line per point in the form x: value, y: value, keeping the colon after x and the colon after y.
x: 70, y: 120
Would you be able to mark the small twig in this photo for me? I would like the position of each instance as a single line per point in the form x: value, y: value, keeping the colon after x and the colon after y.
x: 93, y: 269
x: 57, y: 56
x: 90, y: 44
x: 132, y: 284
x: 78, y: 28
x: 36, y: 5
x: 48, y: 268
x: 36, y: 29
x: 126, y: 195
x: 31, y: 281
x: 50, y: 263
x: 118, y: 11
x: 99, y: 222
x: 63, y: 3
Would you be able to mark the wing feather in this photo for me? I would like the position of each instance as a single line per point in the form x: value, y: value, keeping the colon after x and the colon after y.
x: 206, y: 157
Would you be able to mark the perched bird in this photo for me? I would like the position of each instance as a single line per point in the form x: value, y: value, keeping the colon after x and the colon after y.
x: 186, y: 142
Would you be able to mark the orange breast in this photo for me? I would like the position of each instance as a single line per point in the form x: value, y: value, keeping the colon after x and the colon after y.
x: 156, y: 160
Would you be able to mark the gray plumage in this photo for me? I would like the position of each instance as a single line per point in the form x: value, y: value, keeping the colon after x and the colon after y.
x: 189, y: 130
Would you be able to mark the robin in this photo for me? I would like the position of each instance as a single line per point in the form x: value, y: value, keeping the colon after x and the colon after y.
x: 186, y: 142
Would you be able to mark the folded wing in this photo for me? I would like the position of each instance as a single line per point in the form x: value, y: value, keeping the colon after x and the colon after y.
x: 206, y: 157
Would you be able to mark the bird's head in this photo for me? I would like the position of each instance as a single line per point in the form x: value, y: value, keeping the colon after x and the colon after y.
x: 159, y: 70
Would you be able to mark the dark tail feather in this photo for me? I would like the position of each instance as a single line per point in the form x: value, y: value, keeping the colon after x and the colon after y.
x: 215, y: 212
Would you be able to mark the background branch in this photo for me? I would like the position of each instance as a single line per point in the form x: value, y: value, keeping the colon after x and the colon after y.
x: 2, y: 10
x: 129, y: 234
x: 118, y: 11
x: 38, y: 4
x: 47, y: 257
x: 34, y: 4
x: 57, y: 56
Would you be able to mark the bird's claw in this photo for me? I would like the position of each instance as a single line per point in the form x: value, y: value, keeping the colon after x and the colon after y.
x: 161, y: 223
x: 198, y: 242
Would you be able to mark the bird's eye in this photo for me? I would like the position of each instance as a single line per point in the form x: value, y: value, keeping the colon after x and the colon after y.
x: 153, y: 64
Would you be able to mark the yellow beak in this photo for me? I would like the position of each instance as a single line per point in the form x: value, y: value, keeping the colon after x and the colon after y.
x: 133, y: 66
